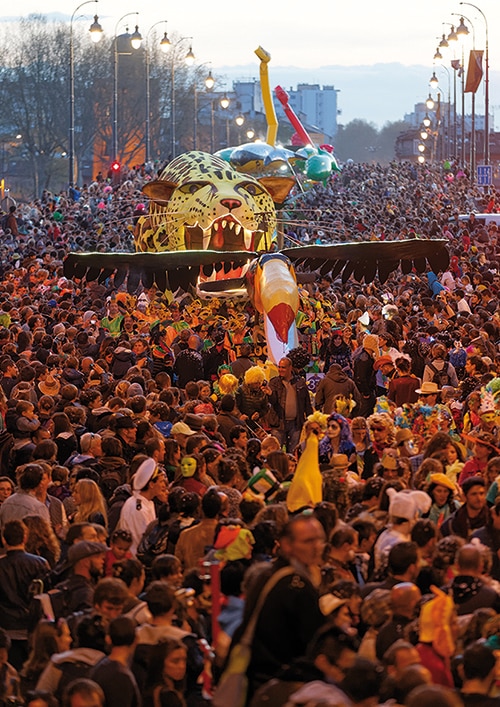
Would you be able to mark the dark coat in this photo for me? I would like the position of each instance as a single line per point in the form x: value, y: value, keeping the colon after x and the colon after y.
x: 277, y: 400
x: 288, y: 620
x: 336, y: 382
x: 17, y: 570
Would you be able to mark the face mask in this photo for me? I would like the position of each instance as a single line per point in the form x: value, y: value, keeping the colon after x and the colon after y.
x: 188, y: 466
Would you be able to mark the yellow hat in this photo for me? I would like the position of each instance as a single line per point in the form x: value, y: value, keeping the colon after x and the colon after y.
x: 442, y: 480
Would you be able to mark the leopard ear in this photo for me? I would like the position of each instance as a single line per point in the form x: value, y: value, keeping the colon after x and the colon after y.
x: 159, y: 190
x: 278, y: 187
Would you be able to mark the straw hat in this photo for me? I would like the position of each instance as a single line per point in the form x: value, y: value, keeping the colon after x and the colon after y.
x: 428, y: 388
x: 49, y: 386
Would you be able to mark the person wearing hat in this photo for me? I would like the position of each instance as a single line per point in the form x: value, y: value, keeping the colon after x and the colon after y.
x: 405, y: 507
x: 405, y: 443
x: 364, y: 374
x: 428, y: 393
x: 484, y: 449
x: 148, y: 482
x: 180, y: 432
x: 86, y: 559
x: 442, y: 492
x: 49, y: 386
x: 385, y: 370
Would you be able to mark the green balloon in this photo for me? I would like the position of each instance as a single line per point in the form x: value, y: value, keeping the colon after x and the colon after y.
x: 58, y: 216
x: 318, y: 168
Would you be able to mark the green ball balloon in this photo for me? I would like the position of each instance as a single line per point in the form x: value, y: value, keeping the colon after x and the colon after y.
x: 57, y: 216
x: 318, y: 168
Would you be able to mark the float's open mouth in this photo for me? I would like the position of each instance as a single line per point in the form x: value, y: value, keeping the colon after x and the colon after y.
x: 225, y: 233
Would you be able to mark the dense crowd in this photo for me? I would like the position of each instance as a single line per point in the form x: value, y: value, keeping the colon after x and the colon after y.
x: 149, y: 449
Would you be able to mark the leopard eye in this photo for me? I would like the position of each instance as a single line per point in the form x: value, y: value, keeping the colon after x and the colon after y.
x: 251, y: 188
x: 192, y: 187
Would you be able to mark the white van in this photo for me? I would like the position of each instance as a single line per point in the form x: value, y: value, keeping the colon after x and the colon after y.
x: 484, y: 219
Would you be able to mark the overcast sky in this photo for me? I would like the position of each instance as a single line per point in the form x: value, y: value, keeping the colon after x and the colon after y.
x: 315, y: 42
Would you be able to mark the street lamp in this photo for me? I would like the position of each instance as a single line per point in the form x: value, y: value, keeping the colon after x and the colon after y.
x: 486, y: 87
x: 426, y: 122
x: 209, y: 81
x: 443, y: 44
x: 429, y: 102
x: 165, y: 47
x: 135, y: 40
x: 250, y: 133
x: 189, y: 60
x: 453, y: 36
x: 438, y: 56
x: 95, y: 34
x: 433, y: 81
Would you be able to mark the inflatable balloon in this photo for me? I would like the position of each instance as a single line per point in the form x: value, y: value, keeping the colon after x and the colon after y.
x: 318, y: 168
x: 272, y: 121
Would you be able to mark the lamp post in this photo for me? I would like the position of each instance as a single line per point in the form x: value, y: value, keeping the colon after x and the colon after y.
x: 224, y: 104
x: 165, y: 47
x: 209, y: 84
x: 463, y: 31
x: 135, y: 41
x: 486, y: 86
x: 434, y: 81
x: 95, y: 33
x: 239, y: 120
x: 189, y: 60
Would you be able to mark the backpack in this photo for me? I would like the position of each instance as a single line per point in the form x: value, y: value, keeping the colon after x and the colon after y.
x: 109, y: 481
x: 153, y: 543
x: 51, y: 605
x: 70, y: 671
x: 440, y: 377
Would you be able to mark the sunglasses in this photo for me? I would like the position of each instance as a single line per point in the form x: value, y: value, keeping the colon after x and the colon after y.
x: 378, y: 429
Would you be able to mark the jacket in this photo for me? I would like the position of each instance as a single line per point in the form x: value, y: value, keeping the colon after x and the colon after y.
x: 277, y: 400
x: 17, y: 570
x: 336, y: 382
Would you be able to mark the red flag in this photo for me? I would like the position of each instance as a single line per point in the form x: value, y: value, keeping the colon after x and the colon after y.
x: 474, y: 71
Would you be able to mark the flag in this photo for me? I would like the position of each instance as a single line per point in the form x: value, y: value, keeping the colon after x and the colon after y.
x: 474, y: 71
x: 455, y: 63
x: 306, y: 488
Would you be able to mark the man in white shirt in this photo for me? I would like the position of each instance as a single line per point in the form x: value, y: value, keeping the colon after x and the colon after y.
x: 149, y: 482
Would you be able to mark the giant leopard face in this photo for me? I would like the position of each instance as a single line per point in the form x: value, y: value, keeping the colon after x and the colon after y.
x: 200, y: 202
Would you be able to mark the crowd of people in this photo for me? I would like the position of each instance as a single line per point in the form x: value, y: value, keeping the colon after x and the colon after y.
x: 147, y: 449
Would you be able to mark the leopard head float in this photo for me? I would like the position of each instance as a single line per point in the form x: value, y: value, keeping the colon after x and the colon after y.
x: 199, y: 202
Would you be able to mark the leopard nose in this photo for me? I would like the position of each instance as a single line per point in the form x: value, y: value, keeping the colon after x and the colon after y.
x: 230, y: 204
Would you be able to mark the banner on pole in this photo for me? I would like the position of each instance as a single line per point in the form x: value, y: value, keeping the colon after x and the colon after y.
x: 474, y: 71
